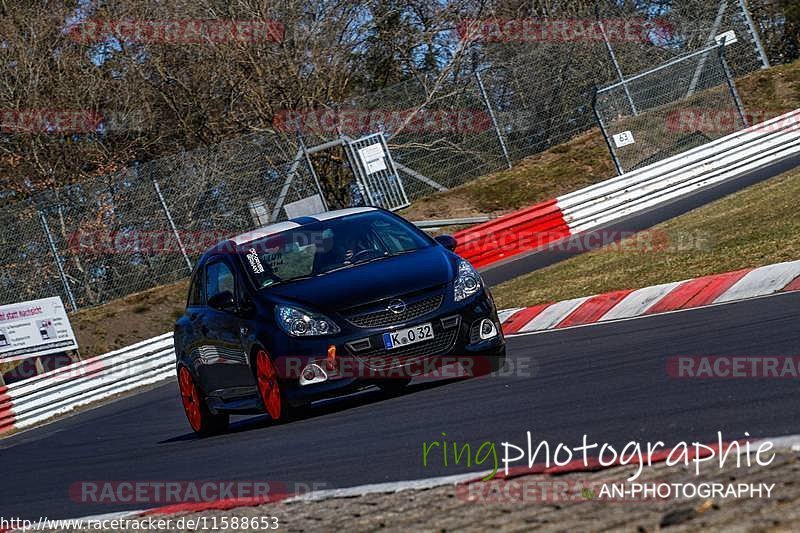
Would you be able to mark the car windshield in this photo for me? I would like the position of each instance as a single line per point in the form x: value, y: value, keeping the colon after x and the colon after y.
x: 329, y: 245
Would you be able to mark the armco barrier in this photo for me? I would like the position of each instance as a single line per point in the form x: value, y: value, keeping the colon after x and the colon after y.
x: 512, y: 234
x: 602, y: 203
x: 59, y: 391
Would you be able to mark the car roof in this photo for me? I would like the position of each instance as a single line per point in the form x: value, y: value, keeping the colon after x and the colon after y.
x: 272, y: 229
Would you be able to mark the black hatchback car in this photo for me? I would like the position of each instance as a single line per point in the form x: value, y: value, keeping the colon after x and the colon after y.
x: 322, y: 305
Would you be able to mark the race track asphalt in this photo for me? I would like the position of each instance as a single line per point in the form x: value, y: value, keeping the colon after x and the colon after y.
x: 608, y: 381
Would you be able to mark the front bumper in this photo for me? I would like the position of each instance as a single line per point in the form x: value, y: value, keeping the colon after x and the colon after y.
x: 455, y: 351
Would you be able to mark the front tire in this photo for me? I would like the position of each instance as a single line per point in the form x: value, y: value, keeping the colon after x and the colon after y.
x: 201, y: 419
x: 269, y: 387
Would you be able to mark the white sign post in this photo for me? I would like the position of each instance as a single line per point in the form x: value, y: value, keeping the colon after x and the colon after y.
x: 38, y: 327
x: 373, y: 158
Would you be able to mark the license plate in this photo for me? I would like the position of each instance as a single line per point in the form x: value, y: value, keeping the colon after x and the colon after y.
x: 404, y: 337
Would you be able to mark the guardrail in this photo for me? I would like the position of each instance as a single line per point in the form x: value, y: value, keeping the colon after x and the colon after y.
x: 59, y: 391
x: 725, y: 159
x: 435, y: 224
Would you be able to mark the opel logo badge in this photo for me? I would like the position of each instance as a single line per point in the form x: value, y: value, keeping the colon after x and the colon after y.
x: 397, y: 306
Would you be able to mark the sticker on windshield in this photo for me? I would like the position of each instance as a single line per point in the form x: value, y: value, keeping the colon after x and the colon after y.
x: 255, y: 262
x: 274, y: 258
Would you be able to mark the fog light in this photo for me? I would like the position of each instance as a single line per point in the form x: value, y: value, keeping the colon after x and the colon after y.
x: 312, y: 374
x: 488, y: 329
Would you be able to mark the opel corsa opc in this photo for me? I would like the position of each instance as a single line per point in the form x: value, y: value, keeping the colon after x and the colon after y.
x: 323, y: 305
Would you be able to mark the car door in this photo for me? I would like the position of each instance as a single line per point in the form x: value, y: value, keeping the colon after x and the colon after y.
x: 189, y: 337
x: 224, y: 364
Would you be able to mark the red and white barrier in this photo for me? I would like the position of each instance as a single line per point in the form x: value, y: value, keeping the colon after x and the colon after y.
x: 612, y: 200
x: 60, y: 391
x: 688, y: 294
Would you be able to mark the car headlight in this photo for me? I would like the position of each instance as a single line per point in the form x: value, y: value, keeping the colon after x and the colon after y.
x: 300, y: 323
x: 468, y: 281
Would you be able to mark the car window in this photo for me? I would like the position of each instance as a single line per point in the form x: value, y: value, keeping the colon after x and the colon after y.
x: 394, y: 236
x: 318, y: 248
x: 196, y: 290
x: 219, y: 278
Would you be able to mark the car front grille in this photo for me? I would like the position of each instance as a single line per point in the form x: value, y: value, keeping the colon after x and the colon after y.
x: 380, y: 358
x: 383, y: 317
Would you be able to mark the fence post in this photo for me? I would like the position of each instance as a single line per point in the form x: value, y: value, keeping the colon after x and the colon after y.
x: 489, y: 109
x: 731, y: 85
x: 614, y: 61
x: 52, y: 244
x: 157, y: 187
x: 310, y: 165
x: 723, y: 6
x: 751, y: 27
x: 602, y: 125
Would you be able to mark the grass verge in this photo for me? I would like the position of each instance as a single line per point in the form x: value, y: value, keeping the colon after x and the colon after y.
x: 754, y: 227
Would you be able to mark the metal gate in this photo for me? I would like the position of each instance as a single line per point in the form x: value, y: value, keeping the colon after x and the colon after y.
x: 376, y: 175
x: 669, y: 109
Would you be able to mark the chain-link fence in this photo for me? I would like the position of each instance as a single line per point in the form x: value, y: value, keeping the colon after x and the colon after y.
x: 145, y: 226
x: 661, y: 112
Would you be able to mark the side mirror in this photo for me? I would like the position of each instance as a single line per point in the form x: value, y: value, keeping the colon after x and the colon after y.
x: 447, y: 241
x: 247, y: 307
x: 223, y: 301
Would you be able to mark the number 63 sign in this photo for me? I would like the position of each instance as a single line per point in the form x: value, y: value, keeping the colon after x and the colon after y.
x: 623, y: 139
